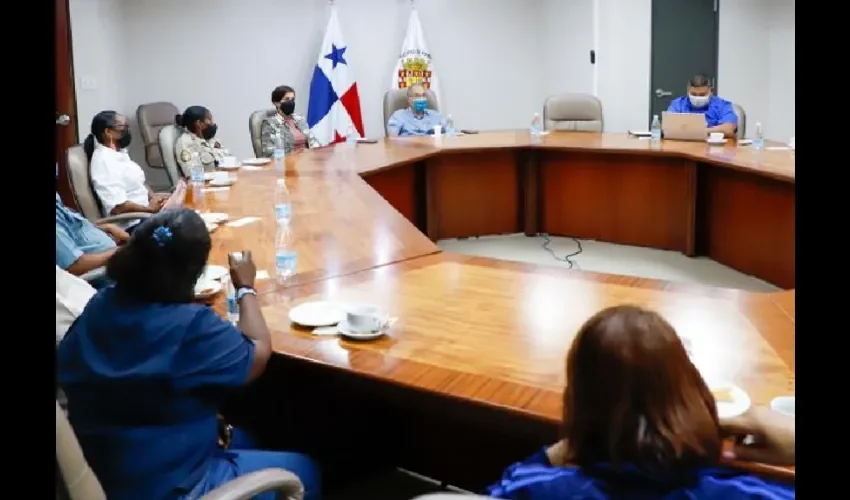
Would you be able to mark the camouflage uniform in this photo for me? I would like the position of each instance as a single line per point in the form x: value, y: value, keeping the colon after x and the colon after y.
x: 274, y: 124
x: 210, y: 152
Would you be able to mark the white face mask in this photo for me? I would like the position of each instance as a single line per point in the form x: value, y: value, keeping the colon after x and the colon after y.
x: 699, y: 101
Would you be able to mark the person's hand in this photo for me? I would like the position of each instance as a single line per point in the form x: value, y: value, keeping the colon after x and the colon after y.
x: 115, y: 232
x: 163, y: 197
x: 244, y: 271
x: 156, y: 203
x: 557, y: 453
x: 762, y: 435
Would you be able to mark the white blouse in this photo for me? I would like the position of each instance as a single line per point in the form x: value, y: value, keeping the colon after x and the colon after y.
x: 116, y: 178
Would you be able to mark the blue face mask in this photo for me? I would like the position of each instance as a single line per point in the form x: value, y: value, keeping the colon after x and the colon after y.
x: 420, y: 105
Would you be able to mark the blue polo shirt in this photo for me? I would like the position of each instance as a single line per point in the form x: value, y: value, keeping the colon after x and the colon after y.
x: 405, y: 123
x: 76, y: 235
x: 718, y: 111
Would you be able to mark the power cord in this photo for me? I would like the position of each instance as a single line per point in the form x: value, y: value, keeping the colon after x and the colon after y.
x: 568, y: 258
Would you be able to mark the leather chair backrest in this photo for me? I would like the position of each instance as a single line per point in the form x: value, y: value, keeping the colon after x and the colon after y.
x: 77, y: 479
x: 255, y: 124
x: 396, y: 99
x: 166, y: 141
x: 742, y: 120
x: 573, y: 112
x: 80, y: 177
x: 152, y: 118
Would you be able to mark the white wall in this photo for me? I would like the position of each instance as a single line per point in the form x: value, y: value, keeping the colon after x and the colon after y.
x: 498, y: 59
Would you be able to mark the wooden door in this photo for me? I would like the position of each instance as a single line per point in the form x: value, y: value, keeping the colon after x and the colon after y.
x: 66, y: 103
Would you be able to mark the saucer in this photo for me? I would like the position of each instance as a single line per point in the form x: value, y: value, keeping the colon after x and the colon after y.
x: 206, y: 289
x: 731, y: 400
x: 228, y: 167
x: 222, y: 182
x: 214, y: 272
x: 345, y: 330
x: 256, y: 161
x: 213, y: 217
x: 716, y: 143
x: 317, y: 313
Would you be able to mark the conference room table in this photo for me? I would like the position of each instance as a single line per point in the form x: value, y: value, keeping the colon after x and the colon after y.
x: 471, y: 375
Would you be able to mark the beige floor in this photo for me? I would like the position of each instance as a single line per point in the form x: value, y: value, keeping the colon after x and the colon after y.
x: 609, y: 258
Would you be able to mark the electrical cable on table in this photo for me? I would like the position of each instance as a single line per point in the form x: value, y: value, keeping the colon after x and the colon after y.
x: 568, y: 258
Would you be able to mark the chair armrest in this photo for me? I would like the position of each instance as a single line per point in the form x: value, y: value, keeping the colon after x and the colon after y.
x: 94, y: 274
x: 250, y: 485
x: 123, y: 217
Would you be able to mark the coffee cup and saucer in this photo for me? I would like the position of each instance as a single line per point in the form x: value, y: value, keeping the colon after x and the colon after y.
x: 364, y: 323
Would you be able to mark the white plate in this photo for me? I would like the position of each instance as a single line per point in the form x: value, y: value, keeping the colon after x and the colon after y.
x: 205, y: 289
x: 785, y: 405
x: 211, y: 227
x: 213, y: 273
x: 317, y: 313
x: 213, y: 217
x: 740, y: 400
x: 228, y: 167
x: 345, y: 330
x: 256, y: 161
x: 222, y: 182
x: 208, y: 176
x: 716, y: 143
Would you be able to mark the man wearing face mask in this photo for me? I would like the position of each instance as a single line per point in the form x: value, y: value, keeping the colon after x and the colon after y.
x: 198, y: 136
x: 416, y: 119
x: 719, y: 113
x: 290, y: 126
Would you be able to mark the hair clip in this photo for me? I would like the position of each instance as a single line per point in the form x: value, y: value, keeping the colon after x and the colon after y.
x: 162, y: 235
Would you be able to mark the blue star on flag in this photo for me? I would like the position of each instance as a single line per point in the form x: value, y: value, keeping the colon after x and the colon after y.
x: 336, y: 55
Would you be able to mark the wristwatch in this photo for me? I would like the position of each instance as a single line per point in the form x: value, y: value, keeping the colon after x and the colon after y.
x: 243, y: 291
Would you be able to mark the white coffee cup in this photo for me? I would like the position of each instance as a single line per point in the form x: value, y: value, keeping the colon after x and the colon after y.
x: 438, y: 130
x: 784, y: 405
x: 366, y: 319
x: 716, y: 136
x: 227, y: 161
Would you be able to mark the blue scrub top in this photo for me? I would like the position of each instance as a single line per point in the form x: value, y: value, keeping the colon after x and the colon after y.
x: 144, y: 384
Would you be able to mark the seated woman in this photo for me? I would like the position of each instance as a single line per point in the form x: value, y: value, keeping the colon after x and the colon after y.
x: 292, y: 127
x: 639, y: 422
x: 198, y: 136
x: 118, y: 181
x: 145, y: 370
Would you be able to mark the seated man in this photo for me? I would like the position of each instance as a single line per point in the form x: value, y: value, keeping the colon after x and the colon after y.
x: 80, y: 245
x: 416, y: 119
x: 719, y: 114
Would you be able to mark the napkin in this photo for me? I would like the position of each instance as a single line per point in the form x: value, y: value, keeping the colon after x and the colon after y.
x: 243, y: 221
x: 251, y: 167
x: 214, y: 189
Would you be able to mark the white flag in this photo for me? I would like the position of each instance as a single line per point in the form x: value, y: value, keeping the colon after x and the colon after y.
x: 414, y: 63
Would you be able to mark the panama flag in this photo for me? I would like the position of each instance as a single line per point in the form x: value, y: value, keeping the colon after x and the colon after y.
x: 334, y: 106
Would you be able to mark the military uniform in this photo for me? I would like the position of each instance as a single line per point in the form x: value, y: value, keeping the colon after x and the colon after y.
x: 274, y: 124
x: 210, y: 152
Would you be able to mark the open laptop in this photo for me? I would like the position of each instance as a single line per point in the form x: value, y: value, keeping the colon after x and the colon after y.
x: 683, y: 126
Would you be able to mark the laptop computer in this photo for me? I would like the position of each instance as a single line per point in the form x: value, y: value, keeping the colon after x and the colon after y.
x: 683, y: 126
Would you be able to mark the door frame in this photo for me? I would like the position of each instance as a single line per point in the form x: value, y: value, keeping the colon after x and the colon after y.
x: 715, y: 63
x: 65, y: 96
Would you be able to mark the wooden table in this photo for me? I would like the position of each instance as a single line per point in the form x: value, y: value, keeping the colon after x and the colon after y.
x: 479, y: 348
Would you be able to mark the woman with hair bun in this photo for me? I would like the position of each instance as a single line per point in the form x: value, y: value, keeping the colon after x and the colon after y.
x: 198, y: 137
x: 145, y: 371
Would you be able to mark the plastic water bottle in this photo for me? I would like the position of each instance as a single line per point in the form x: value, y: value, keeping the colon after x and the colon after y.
x: 351, y: 137
x: 282, y: 203
x: 285, y: 256
x: 536, y: 128
x: 450, y: 125
x: 279, y: 154
x: 655, y: 129
x: 758, y: 140
x: 232, y: 304
x: 196, y: 170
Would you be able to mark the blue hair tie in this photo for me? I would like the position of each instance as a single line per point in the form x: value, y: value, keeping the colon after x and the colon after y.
x: 162, y: 235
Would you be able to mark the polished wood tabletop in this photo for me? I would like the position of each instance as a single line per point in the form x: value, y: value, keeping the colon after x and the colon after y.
x: 483, y: 330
